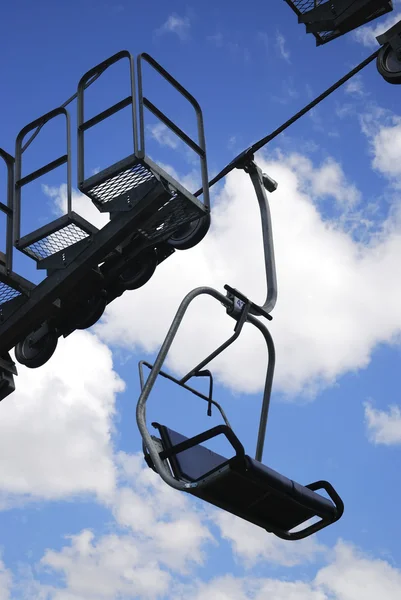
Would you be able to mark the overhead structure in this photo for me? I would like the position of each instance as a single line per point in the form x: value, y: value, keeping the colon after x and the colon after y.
x: 389, y: 57
x: 239, y: 484
x: 150, y: 216
x: 330, y: 19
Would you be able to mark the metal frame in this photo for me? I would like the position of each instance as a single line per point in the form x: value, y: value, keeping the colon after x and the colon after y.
x: 42, y: 302
x: 303, y: 7
x: 7, y: 258
x: 62, y: 254
x: 83, y: 125
x: 143, y: 101
x: 20, y: 181
x: 182, y: 383
x: 19, y: 286
x: 244, y: 317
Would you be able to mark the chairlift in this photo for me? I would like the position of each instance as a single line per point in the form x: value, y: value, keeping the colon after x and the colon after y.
x: 330, y: 19
x: 240, y: 485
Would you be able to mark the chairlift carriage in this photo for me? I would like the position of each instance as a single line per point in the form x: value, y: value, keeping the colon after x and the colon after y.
x: 151, y: 216
x: 239, y: 485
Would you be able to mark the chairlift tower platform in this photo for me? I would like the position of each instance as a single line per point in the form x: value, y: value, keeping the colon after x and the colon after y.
x: 151, y: 215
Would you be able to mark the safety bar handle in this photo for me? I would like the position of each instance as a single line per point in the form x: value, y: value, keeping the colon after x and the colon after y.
x: 197, y: 393
x: 20, y: 181
x: 324, y: 521
x: 203, y: 437
x: 200, y: 147
x: 87, y: 79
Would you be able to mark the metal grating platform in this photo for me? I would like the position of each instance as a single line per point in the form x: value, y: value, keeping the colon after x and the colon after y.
x: 120, y: 184
x: 56, y: 236
x: 7, y: 293
x: 171, y: 216
x: 55, y: 242
x: 304, y: 5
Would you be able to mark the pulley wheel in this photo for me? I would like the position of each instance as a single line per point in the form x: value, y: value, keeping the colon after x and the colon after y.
x: 35, y: 355
x: 389, y: 64
x: 190, y: 234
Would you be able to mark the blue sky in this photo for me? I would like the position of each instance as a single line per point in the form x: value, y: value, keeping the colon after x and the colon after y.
x: 81, y: 515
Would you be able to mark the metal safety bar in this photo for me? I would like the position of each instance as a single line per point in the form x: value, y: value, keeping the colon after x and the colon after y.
x: 200, y: 147
x: 83, y: 125
x: 209, y: 398
x: 156, y: 369
x: 7, y: 209
x: 21, y: 181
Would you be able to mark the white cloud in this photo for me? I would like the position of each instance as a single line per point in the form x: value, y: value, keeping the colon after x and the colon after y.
x: 174, y: 531
x: 326, y: 180
x: 6, y: 581
x: 367, y: 35
x: 162, y: 534
x: 252, y: 545
x: 335, y: 321
x: 140, y: 562
x: 180, y: 26
x: 355, y: 86
x: 55, y: 430
x: 235, y: 588
x: 163, y: 135
x: 349, y: 576
x: 104, y: 569
x: 384, y: 427
x: 81, y: 204
x: 352, y: 575
x: 281, y: 45
x: 387, y: 150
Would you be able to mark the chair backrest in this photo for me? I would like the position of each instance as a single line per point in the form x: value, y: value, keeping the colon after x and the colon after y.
x: 194, y: 463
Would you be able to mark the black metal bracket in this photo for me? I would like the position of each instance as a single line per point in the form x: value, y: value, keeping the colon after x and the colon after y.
x: 63, y: 258
x: 392, y: 37
x: 239, y: 301
x: 7, y: 372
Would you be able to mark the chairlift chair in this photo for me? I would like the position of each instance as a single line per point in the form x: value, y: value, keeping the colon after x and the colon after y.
x: 240, y: 485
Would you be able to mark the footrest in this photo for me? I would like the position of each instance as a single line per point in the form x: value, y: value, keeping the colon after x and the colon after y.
x: 127, y: 183
x: 250, y: 490
x: 55, y: 237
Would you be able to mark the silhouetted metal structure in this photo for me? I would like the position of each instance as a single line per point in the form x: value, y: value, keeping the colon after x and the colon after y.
x: 151, y: 215
x: 389, y: 57
x: 330, y: 19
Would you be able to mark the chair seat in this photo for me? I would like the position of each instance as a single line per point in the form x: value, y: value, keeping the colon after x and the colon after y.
x: 249, y: 489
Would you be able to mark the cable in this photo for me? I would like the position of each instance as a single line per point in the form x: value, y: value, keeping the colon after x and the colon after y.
x: 247, y: 154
